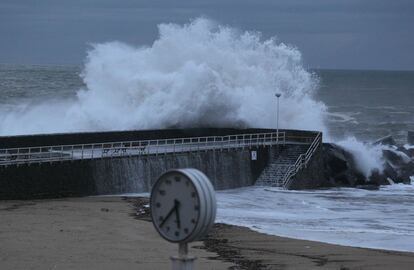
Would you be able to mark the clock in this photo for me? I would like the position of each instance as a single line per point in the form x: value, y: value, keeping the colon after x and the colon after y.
x: 183, y: 205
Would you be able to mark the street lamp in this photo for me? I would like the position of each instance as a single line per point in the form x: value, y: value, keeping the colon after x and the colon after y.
x: 277, y: 116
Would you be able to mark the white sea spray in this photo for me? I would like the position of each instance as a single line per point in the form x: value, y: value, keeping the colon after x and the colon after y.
x: 196, y: 75
x: 367, y: 156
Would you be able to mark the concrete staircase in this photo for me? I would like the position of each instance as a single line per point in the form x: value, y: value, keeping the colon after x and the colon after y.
x: 281, y: 158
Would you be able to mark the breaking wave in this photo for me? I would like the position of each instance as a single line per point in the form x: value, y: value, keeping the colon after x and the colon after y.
x: 198, y: 74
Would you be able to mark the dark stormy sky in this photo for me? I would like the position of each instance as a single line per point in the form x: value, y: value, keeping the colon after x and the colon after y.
x: 340, y: 34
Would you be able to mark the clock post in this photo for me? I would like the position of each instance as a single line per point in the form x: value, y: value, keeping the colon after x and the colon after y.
x: 183, y: 261
x: 183, y: 209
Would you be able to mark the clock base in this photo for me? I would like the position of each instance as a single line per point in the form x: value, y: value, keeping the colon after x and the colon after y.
x: 183, y: 261
x: 180, y: 263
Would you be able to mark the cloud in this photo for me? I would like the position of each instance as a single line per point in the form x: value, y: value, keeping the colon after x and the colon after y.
x: 51, y: 31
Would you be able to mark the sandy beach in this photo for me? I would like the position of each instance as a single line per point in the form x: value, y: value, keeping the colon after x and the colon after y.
x: 106, y: 233
x: 84, y: 233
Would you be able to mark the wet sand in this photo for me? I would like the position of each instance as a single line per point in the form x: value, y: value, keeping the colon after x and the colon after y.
x: 106, y: 233
x: 260, y: 251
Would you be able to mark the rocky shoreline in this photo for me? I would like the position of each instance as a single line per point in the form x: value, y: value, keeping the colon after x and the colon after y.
x: 342, y: 170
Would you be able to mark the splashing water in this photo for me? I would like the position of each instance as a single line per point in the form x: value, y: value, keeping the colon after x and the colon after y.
x: 367, y: 157
x: 199, y: 74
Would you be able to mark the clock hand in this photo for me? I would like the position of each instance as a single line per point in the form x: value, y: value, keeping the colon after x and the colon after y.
x: 177, y: 214
x: 168, y: 215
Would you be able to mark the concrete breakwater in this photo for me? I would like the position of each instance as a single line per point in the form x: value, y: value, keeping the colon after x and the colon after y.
x: 227, y: 168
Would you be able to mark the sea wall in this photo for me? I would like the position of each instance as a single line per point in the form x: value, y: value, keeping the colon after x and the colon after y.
x: 226, y: 169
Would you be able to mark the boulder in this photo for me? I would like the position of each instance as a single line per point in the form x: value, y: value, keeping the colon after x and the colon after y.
x: 395, y: 157
x: 390, y: 171
x: 405, y: 172
x: 409, y: 150
x: 335, y: 157
x: 387, y: 140
x: 377, y: 178
x: 410, y: 137
x: 404, y: 150
x: 340, y: 168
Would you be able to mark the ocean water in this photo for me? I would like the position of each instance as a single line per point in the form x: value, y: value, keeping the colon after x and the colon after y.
x: 202, y: 74
x: 368, y: 104
x: 382, y: 219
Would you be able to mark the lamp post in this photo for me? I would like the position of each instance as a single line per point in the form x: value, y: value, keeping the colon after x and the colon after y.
x: 277, y: 116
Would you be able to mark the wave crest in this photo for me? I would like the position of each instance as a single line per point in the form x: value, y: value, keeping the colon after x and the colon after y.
x: 197, y: 74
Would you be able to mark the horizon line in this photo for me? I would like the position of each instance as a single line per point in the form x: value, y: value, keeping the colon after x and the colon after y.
x: 309, y: 68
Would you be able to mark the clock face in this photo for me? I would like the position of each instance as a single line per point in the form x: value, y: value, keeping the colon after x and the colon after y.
x: 175, y: 206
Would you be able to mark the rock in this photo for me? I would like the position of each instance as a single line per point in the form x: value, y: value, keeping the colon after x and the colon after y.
x: 409, y: 150
x: 337, y: 161
x: 387, y: 140
x: 390, y: 172
x: 335, y: 164
x: 404, y: 150
x: 395, y: 157
x: 377, y: 178
x: 340, y: 167
x: 390, y: 181
x: 410, y: 137
x: 341, y: 170
x: 405, y: 172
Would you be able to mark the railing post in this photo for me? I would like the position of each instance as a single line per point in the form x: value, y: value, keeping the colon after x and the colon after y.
x: 214, y: 143
x: 139, y: 148
x: 277, y: 137
x: 206, y: 145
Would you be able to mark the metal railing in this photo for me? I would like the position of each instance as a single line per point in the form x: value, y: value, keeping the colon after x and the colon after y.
x: 29, y: 155
x: 302, y: 161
